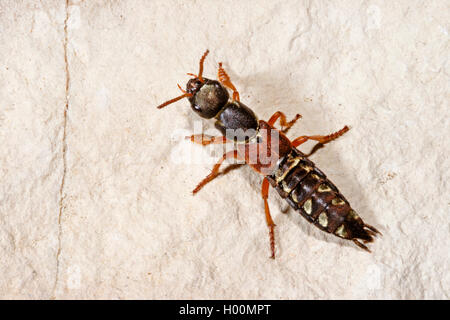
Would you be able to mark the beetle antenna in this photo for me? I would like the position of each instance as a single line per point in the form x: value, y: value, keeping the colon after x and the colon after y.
x: 184, y: 95
x: 173, y: 100
x: 200, y: 70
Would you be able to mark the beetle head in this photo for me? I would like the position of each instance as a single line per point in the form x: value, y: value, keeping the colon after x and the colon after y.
x: 192, y: 86
x: 208, y: 97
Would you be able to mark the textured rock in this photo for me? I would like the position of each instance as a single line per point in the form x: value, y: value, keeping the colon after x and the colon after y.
x: 94, y: 203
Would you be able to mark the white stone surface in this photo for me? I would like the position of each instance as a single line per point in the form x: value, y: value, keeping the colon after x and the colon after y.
x: 92, y: 206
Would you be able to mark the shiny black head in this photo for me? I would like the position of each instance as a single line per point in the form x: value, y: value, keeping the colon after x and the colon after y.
x: 208, y: 97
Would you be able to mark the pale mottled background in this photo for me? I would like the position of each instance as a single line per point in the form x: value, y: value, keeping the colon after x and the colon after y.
x: 91, y: 205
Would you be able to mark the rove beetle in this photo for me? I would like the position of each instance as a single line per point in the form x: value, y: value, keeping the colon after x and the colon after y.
x: 269, y: 152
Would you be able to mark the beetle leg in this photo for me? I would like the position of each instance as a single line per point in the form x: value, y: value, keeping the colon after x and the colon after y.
x: 314, y: 149
x: 204, y: 139
x: 270, y: 223
x: 321, y: 139
x: 285, y: 126
x: 215, y: 171
x: 225, y: 80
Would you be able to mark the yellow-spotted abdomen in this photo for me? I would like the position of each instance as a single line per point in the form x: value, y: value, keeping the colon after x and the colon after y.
x: 308, y: 190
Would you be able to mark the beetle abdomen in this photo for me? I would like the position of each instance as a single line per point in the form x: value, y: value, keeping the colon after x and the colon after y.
x: 308, y: 190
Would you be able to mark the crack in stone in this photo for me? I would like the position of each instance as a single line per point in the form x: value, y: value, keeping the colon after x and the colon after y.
x: 64, y: 149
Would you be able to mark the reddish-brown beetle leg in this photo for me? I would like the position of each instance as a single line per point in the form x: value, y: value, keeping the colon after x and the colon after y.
x: 270, y: 223
x: 204, y: 139
x: 285, y: 126
x: 322, y: 139
x: 225, y: 80
x: 215, y: 171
